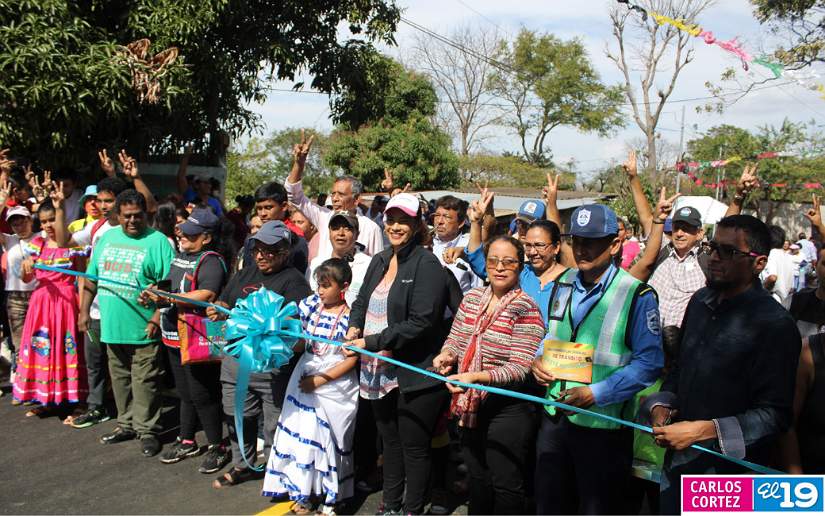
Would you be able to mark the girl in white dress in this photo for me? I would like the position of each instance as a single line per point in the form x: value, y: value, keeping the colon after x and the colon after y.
x: 311, y: 456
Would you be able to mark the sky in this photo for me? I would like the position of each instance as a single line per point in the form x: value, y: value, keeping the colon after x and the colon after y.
x: 589, y: 21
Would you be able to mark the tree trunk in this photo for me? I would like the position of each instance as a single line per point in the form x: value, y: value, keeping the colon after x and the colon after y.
x: 652, y: 157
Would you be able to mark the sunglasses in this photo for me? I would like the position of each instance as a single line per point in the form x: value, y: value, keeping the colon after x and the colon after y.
x: 508, y: 264
x: 726, y: 252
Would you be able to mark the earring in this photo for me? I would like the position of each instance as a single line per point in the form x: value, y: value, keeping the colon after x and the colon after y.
x: 342, y: 296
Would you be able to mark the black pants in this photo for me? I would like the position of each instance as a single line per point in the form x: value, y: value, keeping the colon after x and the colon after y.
x: 97, y: 367
x: 406, y: 422
x: 497, y: 453
x: 581, y: 470
x: 199, y: 388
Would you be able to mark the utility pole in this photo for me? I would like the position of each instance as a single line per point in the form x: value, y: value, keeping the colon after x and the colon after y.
x: 681, y: 151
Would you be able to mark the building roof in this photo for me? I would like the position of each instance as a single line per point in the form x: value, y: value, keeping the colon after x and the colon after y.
x: 508, y: 200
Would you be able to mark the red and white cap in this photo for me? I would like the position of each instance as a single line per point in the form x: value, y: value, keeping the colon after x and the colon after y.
x: 408, y: 203
x: 17, y: 210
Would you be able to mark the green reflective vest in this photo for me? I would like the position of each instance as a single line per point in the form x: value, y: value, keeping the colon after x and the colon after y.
x: 605, y: 327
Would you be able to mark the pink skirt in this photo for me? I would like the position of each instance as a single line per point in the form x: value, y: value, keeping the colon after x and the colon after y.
x: 50, y: 364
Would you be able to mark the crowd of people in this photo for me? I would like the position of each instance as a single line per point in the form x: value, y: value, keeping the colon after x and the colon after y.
x: 710, y: 339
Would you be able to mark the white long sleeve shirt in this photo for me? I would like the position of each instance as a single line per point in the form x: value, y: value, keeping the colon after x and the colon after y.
x: 369, y: 234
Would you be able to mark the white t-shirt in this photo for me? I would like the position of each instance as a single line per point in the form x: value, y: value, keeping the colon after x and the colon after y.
x: 84, y: 238
x: 369, y: 234
x: 466, y: 278
x: 358, y: 265
x: 15, y: 253
x: 779, y: 264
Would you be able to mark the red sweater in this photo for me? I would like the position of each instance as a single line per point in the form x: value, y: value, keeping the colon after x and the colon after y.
x: 508, y: 345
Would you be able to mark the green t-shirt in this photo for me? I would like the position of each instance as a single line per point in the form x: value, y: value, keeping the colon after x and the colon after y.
x: 143, y: 261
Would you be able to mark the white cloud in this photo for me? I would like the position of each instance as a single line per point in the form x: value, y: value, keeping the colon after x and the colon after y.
x: 589, y: 21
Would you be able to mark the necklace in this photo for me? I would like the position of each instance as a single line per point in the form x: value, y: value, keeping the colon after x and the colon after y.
x: 320, y: 348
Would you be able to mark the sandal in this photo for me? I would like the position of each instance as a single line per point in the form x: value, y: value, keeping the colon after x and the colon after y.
x: 233, y: 477
x: 38, y: 411
x: 301, y: 508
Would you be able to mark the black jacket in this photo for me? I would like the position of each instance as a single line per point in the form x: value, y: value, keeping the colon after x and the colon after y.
x: 415, y: 311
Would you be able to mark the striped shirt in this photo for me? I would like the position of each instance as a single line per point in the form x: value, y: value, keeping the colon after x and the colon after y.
x: 319, y: 323
x: 508, y: 345
x: 675, y: 280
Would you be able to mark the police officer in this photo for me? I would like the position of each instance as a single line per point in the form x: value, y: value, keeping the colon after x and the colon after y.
x: 583, y: 462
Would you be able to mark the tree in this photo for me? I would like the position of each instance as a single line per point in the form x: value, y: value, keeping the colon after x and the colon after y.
x: 64, y: 92
x: 782, y: 178
x: 803, y: 24
x: 551, y: 83
x: 461, y: 78
x: 648, y: 49
x: 510, y: 171
x: 395, y: 131
x: 269, y: 159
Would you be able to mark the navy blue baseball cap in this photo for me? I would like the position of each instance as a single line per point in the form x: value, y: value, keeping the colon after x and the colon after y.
x: 530, y: 211
x: 201, y: 220
x: 272, y: 232
x: 593, y: 221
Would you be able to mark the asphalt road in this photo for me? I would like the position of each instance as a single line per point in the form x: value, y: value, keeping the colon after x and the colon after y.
x: 51, y: 468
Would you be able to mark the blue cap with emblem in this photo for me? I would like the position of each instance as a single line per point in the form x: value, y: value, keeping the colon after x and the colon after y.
x: 530, y: 211
x: 593, y: 221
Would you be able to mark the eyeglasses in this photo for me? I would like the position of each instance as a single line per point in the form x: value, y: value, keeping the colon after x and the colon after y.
x: 540, y: 247
x: 445, y: 218
x: 508, y: 264
x: 269, y: 253
x: 726, y: 252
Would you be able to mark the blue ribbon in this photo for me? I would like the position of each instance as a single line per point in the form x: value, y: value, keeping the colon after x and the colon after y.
x: 262, y: 322
x: 266, y: 331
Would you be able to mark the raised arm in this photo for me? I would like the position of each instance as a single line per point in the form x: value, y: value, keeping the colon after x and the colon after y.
x: 183, y: 185
x: 300, y: 151
x: 747, y: 182
x: 106, y: 163
x: 479, y: 208
x: 550, y: 193
x: 5, y: 193
x: 639, y: 197
x: 130, y: 170
x: 61, y: 232
x: 644, y: 267
x: 815, y: 216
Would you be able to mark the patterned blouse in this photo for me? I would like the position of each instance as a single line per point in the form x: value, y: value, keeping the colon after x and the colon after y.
x: 509, y: 343
x: 377, y: 377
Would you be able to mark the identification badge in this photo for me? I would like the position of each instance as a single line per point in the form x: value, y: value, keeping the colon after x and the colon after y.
x: 570, y: 361
x: 559, y: 299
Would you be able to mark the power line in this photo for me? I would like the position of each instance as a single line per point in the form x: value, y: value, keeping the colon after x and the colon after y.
x: 619, y: 104
x: 458, y: 46
x: 496, y: 25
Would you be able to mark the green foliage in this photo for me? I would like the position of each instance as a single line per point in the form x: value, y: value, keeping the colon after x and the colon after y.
x: 270, y: 159
x: 613, y: 180
x: 511, y: 171
x: 389, y: 92
x: 802, y: 21
x: 394, y: 131
x: 416, y: 151
x: 552, y: 83
x: 803, y: 166
x: 63, y: 94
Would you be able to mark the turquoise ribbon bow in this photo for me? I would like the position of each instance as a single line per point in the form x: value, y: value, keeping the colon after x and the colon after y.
x: 266, y: 331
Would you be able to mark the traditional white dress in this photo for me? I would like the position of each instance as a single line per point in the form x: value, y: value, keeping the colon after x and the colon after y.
x: 312, y: 449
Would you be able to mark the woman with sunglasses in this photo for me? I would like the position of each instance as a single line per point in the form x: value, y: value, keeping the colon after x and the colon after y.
x: 399, y: 311
x: 494, y: 338
x: 545, y: 261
